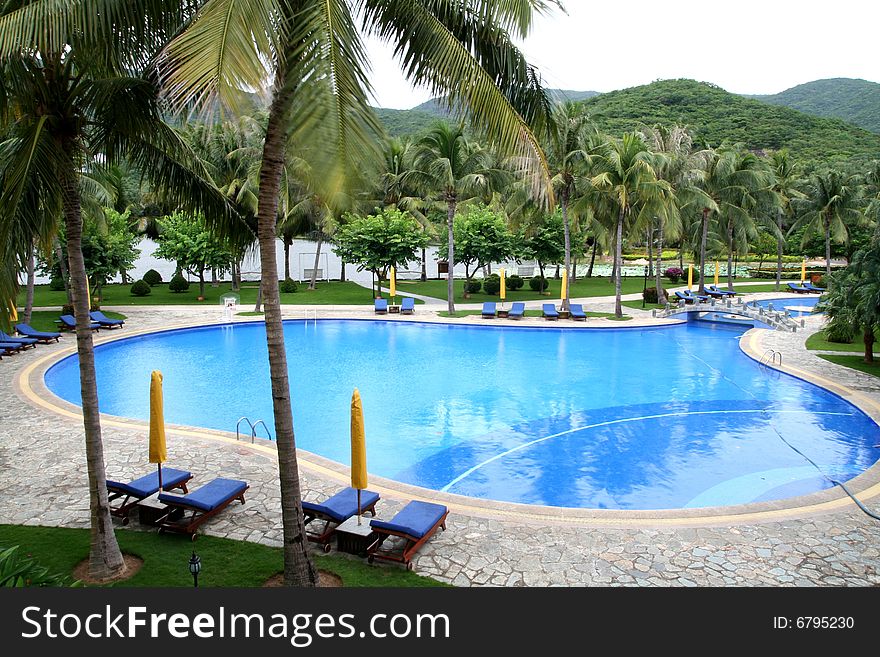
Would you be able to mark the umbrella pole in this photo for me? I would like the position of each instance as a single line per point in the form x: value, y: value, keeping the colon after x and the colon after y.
x: 359, y: 506
x: 160, y: 477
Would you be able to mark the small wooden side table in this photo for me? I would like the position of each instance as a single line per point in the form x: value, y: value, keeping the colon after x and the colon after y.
x: 564, y: 314
x: 150, y: 509
x: 503, y: 313
x: 394, y: 309
x: 354, y: 538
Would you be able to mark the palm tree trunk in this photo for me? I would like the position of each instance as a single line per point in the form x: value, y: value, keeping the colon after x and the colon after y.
x: 658, y: 283
x: 62, y: 262
x: 729, y: 257
x: 618, y: 257
x: 424, y: 276
x: 105, y: 558
x: 592, y: 258
x: 868, y: 338
x: 259, y: 305
x: 298, y: 567
x: 450, y: 220
x: 236, y: 276
x: 29, y: 302
x: 650, y: 243
x: 827, y: 248
x: 567, y: 232
x: 286, y: 258
x: 779, y: 244
x: 312, y: 283
x: 704, y: 236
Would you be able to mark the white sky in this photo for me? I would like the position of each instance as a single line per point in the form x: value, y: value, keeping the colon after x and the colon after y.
x: 746, y: 46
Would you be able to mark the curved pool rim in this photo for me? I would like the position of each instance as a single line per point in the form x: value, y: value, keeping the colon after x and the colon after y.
x: 29, y: 382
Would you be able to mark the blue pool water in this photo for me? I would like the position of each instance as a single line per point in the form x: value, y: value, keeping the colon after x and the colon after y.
x: 800, y: 306
x: 627, y: 419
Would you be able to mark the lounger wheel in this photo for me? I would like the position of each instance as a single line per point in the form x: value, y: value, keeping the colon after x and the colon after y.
x: 124, y: 521
x: 370, y: 559
x: 410, y: 566
x: 326, y: 548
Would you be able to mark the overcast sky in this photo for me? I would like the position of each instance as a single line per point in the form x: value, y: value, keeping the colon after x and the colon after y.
x: 748, y: 46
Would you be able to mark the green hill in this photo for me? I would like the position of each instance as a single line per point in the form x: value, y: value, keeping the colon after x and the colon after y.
x: 405, y: 122
x: 854, y: 101
x: 716, y: 116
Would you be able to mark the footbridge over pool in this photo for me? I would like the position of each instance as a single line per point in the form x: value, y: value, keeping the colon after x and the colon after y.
x: 730, y: 310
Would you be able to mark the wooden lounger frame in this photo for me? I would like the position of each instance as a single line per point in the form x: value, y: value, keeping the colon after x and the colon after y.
x: 412, y: 545
x: 176, y: 519
x: 122, y: 510
x: 330, y: 524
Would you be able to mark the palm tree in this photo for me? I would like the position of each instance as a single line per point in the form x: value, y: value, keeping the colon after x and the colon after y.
x: 785, y: 180
x: 832, y: 201
x: 67, y: 98
x: 629, y: 181
x: 312, y: 54
x: 461, y: 171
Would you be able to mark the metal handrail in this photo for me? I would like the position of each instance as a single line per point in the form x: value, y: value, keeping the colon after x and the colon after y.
x: 253, y: 426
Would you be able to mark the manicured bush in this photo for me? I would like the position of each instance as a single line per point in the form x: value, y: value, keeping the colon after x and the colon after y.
x: 472, y: 287
x: 153, y: 278
x: 492, y: 284
x: 178, y: 283
x: 650, y: 295
x: 841, y: 332
x: 674, y: 274
x: 538, y: 284
x: 287, y: 286
x: 140, y: 288
x: 514, y: 282
x: 56, y: 285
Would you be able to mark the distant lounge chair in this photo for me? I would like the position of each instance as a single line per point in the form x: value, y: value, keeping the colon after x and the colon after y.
x: 517, y: 310
x: 203, y: 503
x: 813, y: 288
x: 141, y: 488
x: 42, y: 336
x: 576, y: 312
x: 24, y: 342
x: 713, y: 290
x: 415, y: 523
x: 69, y: 322
x: 690, y: 297
x: 407, y: 306
x: 549, y: 311
x: 105, y: 321
x: 381, y: 306
x: 798, y: 288
x: 488, y: 310
x: 334, y: 511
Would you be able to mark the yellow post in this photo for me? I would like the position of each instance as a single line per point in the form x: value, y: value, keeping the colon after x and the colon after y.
x: 690, y: 277
x: 716, y: 273
x: 503, y: 291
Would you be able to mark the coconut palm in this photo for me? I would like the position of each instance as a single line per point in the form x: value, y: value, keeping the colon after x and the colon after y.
x: 629, y: 181
x: 832, y: 202
x: 311, y: 54
x: 785, y: 180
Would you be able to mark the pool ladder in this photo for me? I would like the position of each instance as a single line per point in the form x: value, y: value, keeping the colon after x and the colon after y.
x: 253, y: 426
x: 770, y: 356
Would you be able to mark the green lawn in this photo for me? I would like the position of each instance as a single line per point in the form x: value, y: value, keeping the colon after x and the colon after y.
x: 44, y: 320
x: 854, y: 362
x: 817, y: 342
x: 585, y: 287
x: 166, y: 557
x: 637, y: 304
x: 332, y: 293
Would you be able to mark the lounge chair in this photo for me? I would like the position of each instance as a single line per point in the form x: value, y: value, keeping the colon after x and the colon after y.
x: 42, y: 336
x: 381, y: 306
x: 711, y: 289
x: 105, y: 321
x: 488, y: 310
x: 813, y: 288
x: 690, y: 297
x: 141, y: 488
x: 203, y: 503
x: 2, y: 353
x: 798, y: 288
x: 415, y: 524
x: 576, y: 312
x: 11, y: 347
x: 69, y: 322
x: 549, y: 311
x: 334, y: 511
x: 517, y: 310
x: 24, y: 342
x: 407, y: 306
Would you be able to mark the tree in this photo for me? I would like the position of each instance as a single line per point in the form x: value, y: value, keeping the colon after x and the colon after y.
x: 481, y: 238
x: 785, y: 185
x: 313, y: 56
x: 544, y: 241
x: 192, y: 246
x: 377, y: 242
x: 108, y: 249
x: 832, y: 203
x: 629, y: 181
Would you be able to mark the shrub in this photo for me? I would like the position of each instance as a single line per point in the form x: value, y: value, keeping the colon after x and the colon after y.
x: 514, y: 282
x: 492, y: 284
x: 67, y: 308
x: 287, y: 286
x: 538, y: 283
x: 19, y: 570
x: 153, y: 278
x: 841, y: 332
x: 56, y: 285
x: 650, y: 295
x: 674, y: 274
x: 178, y: 283
x: 140, y: 288
x: 472, y: 287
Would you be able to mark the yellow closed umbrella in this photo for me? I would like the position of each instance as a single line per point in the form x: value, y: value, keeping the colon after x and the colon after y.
x: 393, y: 282
x: 158, y: 450
x: 503, y: 291
x: 564, y: 290
x: 358, y: 448
x: 803, y: 271
x: 88, y: 293
x: 690, y: 277
x: 716, y: 273
x: 13, y: 312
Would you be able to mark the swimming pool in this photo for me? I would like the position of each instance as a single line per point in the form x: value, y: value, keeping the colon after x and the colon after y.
x: 614, y: 418
x: 800, y: 306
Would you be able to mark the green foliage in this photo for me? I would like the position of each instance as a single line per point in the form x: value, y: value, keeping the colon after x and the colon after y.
x: 514, y: 282
x: 20, y: 571
x: 287, y: 286
x: 153, y: 278
x: 140, y: 288
x: 178, y: 283
x: 650, y: 295
x: 840, y: 332
x: 538, y: 284
x: 674, y: 274
x: 190, y: 244
x: 717, y: 116
x: 472, y: 286
x: 56, y: 284
x: 546, y: 243
x: 481, y: 237
x: 377, y: 242
x: 492, y: 284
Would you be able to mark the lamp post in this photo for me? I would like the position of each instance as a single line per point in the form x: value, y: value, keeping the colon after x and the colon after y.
x: 195, y: 567
x: 645, y: 288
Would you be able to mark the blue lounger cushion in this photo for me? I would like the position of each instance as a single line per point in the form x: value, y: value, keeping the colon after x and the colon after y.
x: 489, y: 309
x: 29, y: 332
x: 550, y: 310
x: 518, y: 309
x: 415, y: 519
x: 209, y: 496
x: 343, y: 505
x: 149, y: 484
x: 103, y: 320
x: 70, y: 322
x: 5, y: 337
x: 11, y: 346
x: 577, y: 310
x: 408, y: 305
x: 381, y: 305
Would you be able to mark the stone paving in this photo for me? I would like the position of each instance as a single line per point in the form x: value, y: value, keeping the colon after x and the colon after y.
x: 43, y: 481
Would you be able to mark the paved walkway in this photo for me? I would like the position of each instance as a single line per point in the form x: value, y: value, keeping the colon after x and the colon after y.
x: 42, y: 481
